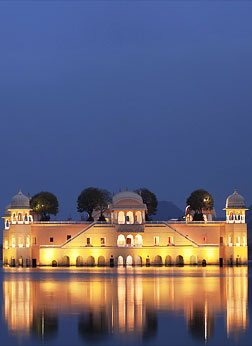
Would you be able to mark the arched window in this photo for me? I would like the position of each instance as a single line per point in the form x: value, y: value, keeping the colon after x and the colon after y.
x: 129, y: 218
x: 138, y: 240
x: 121, y: 218
x: 28, y: 241
x: 19, y: 217
x: 121, y: 240
x: 139, y: 217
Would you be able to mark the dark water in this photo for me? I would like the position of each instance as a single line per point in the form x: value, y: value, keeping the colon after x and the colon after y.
x: 161, y: 306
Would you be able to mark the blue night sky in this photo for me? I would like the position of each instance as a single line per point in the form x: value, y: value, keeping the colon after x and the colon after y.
x: 125, y: 93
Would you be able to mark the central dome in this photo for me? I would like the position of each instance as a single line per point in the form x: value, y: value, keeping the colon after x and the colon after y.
x: 235, y: 201
x: 127, y: 197
x: 20, y: 201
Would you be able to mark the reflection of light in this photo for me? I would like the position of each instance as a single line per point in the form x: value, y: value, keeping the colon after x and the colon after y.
x: 18, y: 309
x: 127, y: 299
x: 237, y: 297
x: 121, y: 303
x: 205, y: 322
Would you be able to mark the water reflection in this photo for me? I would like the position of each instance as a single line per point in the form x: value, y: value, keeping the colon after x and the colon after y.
x: 127, y: 305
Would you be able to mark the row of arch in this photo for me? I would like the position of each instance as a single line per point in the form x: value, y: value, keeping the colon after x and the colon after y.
x: 237, y: 217
x: 19, y: 218
x: 129, y: 217
x: 129, y: 240
x: 120, y: 261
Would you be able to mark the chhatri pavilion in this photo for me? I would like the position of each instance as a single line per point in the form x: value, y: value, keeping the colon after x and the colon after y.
x: 126, y: 239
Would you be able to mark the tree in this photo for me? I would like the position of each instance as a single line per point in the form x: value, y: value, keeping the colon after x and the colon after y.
x: 43, y: 204
x: 198, y: 201
x: 150, y: 199
x: 92, y: 199
x: 102, y: 205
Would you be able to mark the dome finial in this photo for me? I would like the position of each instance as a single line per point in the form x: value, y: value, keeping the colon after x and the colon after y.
x: 19, y: 190
x: 235, y: 190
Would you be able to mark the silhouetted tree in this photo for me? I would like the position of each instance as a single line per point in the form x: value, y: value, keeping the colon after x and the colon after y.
x: 103, y: 203
x: 92, y: 199
x: 44, y: 204
x: 150, y: 199
x: 198, y: 201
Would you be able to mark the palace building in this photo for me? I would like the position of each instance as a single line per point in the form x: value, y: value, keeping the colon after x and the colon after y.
x: 126, y: 239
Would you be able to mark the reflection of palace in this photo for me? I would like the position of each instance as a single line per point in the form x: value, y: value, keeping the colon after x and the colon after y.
x: 129, y: 304
x: 125, y: 239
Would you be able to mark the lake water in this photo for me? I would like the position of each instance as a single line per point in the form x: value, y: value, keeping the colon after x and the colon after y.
x: 104, y: 306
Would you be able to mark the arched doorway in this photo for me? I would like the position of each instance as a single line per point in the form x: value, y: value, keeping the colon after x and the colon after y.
x: 66, y: 261
x: 130, y: 240
x: 13, y: 262
x: 20, y: 261
x: 129, y: 261
x: 138, y: 261
x: 79, y: 261
x: 179, y: 260
x: 90, y: 261
x: 138, y: 240
x: 158, y: 260
x: 54, y: 263
x: 111, y: 261
x: 120, y: 261
x: 121, y: 240
x: 193, y: 260
x: 101, y: 261
x: 168, y: 261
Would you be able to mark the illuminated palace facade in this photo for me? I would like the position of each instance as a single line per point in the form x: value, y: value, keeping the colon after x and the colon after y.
x: 126, y: 239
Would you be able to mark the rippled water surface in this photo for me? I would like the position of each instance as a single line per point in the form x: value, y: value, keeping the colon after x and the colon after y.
x: 161, y: 306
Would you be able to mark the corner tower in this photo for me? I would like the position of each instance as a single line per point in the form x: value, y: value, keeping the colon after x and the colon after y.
x: 17, y: 231
x: 235, y: 208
